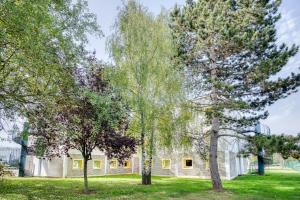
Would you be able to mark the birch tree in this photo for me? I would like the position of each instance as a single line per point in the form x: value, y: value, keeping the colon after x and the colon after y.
x: 142, y: 51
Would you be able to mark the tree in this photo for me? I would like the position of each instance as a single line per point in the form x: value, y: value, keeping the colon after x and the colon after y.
x: 40, y: 43
x: 23, y: 141
x: 286, y: 145
x: 231, y: 57
x: 93, y: 116
x: 142, y: 49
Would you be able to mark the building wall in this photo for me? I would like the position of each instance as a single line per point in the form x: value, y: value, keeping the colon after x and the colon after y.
x: 136, y: 165
x: 120, y: 169
x: 29, y: 166
x: 51, y: 168
x: 229, y: 165
x: 106, y: 169
x: 71, y: 172
x: 157, y: 164
x: 9, y: 155
x: 233, y: 165
x: 43, y: 167
x: 200, y: 167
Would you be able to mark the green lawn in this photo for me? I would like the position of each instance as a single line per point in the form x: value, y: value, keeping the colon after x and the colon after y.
x: 275, y: 185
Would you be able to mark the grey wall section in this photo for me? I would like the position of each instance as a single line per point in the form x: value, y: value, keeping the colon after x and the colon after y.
x: 229, y: 165
x: 233, y: 165
x: 104, y: 165
x: 43, y: 167
x: 199, y: 169
x: 91, y: 171
x: 119, y: 170
x: 51, y: 168
x: 28, y: 171
x: 136, y: 165
x: 157, y: 164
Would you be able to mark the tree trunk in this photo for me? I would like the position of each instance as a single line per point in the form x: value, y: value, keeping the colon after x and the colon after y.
x: 213, y: 157
x: 260, y: 162
x: 215, y: 122
x: 146, y: 178
x: 145, y: 175
x: 85, y: 161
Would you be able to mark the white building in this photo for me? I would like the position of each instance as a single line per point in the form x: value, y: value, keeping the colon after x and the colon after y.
x: 178, y: 162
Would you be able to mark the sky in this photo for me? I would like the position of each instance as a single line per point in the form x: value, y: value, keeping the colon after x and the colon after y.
x: 284, y: 114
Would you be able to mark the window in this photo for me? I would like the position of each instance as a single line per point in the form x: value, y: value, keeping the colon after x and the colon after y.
x: 166, y: 163
x: 114, y: 164
x: 77, y: 164
x: 97, y: 164
x: 187, y: 163
x: 147, y: 163
x: 127, y: 164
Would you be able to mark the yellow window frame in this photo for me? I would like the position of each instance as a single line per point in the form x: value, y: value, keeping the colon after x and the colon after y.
x: 127, y: 164
x: 97, y: 167
x: 80, y: 164
x: 163, y: 164
x: 184, y: 163
x: 147, y: 163
x: 113, y: 166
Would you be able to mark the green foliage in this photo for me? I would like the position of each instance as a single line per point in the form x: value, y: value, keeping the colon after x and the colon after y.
x: 231, y: 57
x: 40, y: 42
x: 40, y: 147
x: 230, y: 52
x: 287, y: 145
x: 25, y: 132
x: 142, y: 50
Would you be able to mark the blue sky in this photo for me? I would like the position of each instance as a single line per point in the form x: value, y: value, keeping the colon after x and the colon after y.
x: 284, y: 114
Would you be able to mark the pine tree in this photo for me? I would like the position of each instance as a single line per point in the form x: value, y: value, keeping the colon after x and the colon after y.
x: 229, y: 51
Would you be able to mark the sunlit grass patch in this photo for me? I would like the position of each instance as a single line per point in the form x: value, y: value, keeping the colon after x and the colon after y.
x: 277, y: 184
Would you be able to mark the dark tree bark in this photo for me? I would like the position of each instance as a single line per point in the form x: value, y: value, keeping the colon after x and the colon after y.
x: 85, y: 162
x: 213, y: 158
x: 260, y: 162
x: 146, y: 178
x: 213, y: 153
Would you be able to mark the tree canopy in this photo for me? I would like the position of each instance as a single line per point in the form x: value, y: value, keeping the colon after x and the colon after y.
x: 40, y: 43
x: 92, y: 117
x: 288, y: 146
x: 142, y: 51
x: 231, y: 57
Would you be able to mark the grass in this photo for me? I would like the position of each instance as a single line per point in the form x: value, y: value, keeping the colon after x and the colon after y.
x: 277, y: 184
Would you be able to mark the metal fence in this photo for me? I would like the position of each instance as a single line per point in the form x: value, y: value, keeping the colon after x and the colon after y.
x: 292, y: 164
x: 275, y: 162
